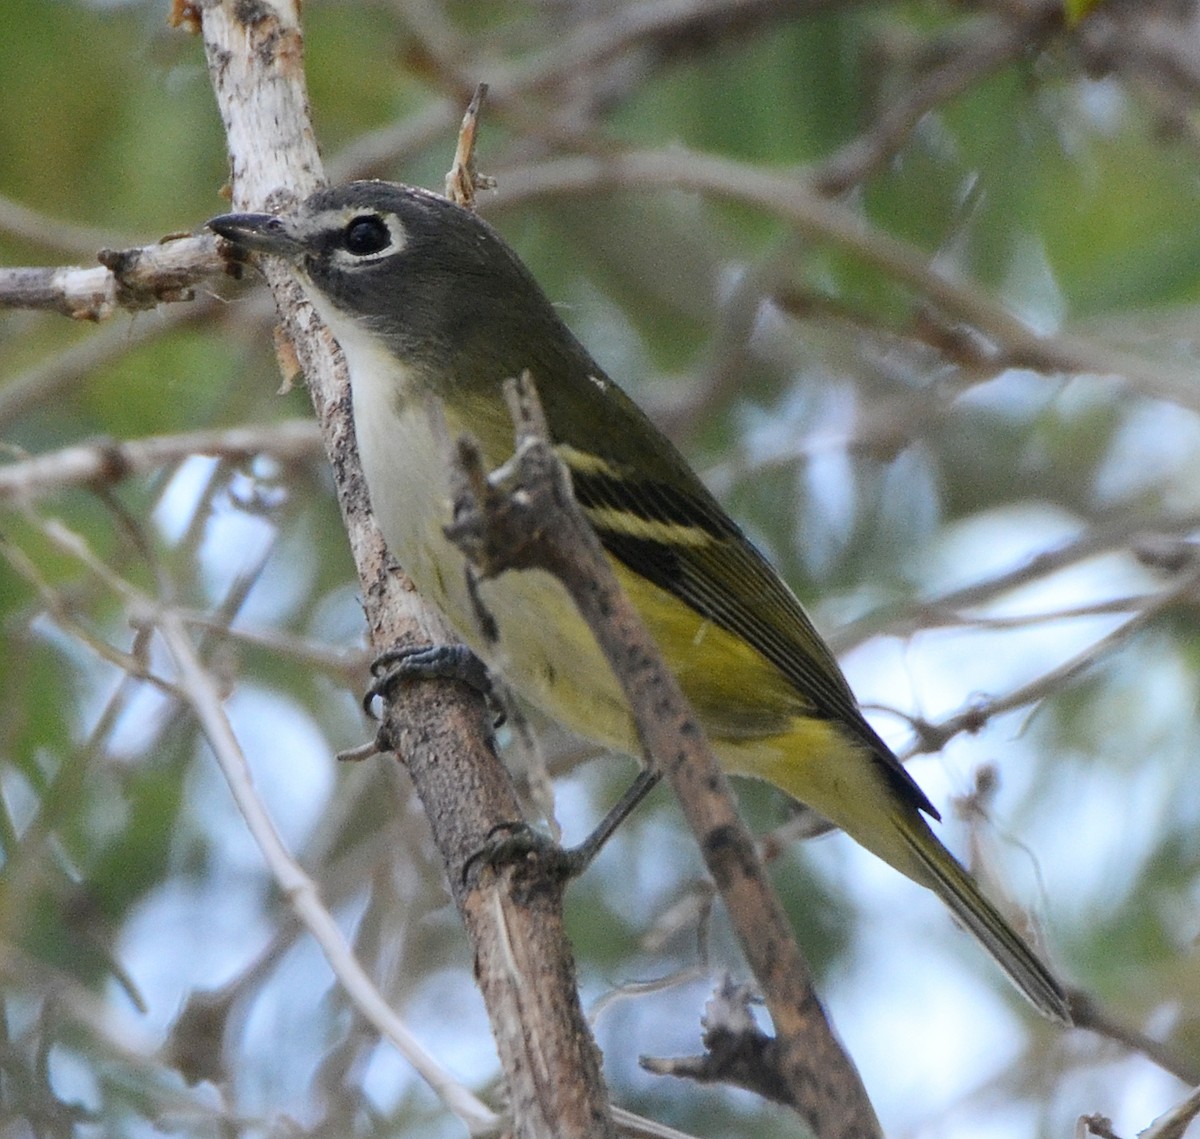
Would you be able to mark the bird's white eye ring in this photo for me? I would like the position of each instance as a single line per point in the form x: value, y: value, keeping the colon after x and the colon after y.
x: 366, y: 234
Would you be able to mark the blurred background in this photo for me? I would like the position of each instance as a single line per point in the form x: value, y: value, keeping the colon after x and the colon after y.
x: 997, y: 531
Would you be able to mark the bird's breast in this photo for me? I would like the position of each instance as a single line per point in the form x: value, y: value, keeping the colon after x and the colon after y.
x: 541, y: 647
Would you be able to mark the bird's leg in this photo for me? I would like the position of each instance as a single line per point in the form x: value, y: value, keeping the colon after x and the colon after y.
x: 510, y: 841
x: 645, y: 782
x: 507, y: 841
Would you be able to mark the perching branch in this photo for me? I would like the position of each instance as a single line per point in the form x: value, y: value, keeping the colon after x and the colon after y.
x: 441, y: 729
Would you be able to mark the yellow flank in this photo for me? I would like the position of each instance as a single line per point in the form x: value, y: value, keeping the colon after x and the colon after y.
x: 759, y: 726
x: 737, y: 693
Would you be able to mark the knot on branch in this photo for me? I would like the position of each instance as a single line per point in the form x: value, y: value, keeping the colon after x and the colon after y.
x: 168, y: 270
x: 738, y: 1052
x: 516, y: 517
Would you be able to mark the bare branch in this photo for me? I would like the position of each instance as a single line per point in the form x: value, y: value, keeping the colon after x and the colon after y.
x: 933, y: 737
x: 1129, y: 531
x: 1007, y: 341
x: 109, y: 461
x: 1091, y: 1016
x: 131, y: 279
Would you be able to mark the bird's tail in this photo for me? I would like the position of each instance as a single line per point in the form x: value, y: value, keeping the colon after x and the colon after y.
x: 934, y: 866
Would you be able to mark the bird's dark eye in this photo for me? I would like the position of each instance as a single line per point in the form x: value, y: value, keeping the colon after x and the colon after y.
x: 366, y: 234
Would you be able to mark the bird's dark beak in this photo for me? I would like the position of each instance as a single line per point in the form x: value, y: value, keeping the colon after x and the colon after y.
x: 258, y: 233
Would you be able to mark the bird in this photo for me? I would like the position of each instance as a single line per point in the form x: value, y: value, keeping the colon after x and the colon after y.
x: 433, y: 312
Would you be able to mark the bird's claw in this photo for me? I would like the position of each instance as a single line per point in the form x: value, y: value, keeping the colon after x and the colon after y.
x: 511, y: 842
x: 449, y: 662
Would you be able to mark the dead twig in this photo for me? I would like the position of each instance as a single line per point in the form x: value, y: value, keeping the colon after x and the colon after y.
x: 126, y: 279
x: 462, y: 179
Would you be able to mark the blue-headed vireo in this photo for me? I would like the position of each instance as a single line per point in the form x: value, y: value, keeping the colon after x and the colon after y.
x: 433, y: 312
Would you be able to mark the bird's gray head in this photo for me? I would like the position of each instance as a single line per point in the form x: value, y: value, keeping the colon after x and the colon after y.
x: 425, y: 276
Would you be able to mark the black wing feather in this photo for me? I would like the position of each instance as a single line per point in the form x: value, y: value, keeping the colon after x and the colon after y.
x: 728, y: 581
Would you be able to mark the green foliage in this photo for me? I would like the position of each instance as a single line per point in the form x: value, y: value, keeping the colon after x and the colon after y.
x: 132, y: 113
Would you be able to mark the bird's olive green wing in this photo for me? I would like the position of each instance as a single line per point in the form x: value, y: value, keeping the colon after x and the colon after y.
x: 655, y: 516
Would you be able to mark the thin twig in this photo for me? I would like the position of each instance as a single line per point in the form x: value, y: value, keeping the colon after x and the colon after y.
x: 202, y: 694
x: 1091, y: 1016
x: 1103, y: 535
x: 463, y: 180
x: 108, y: 461
x: 933, y: 737
x: 1009, y: 342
